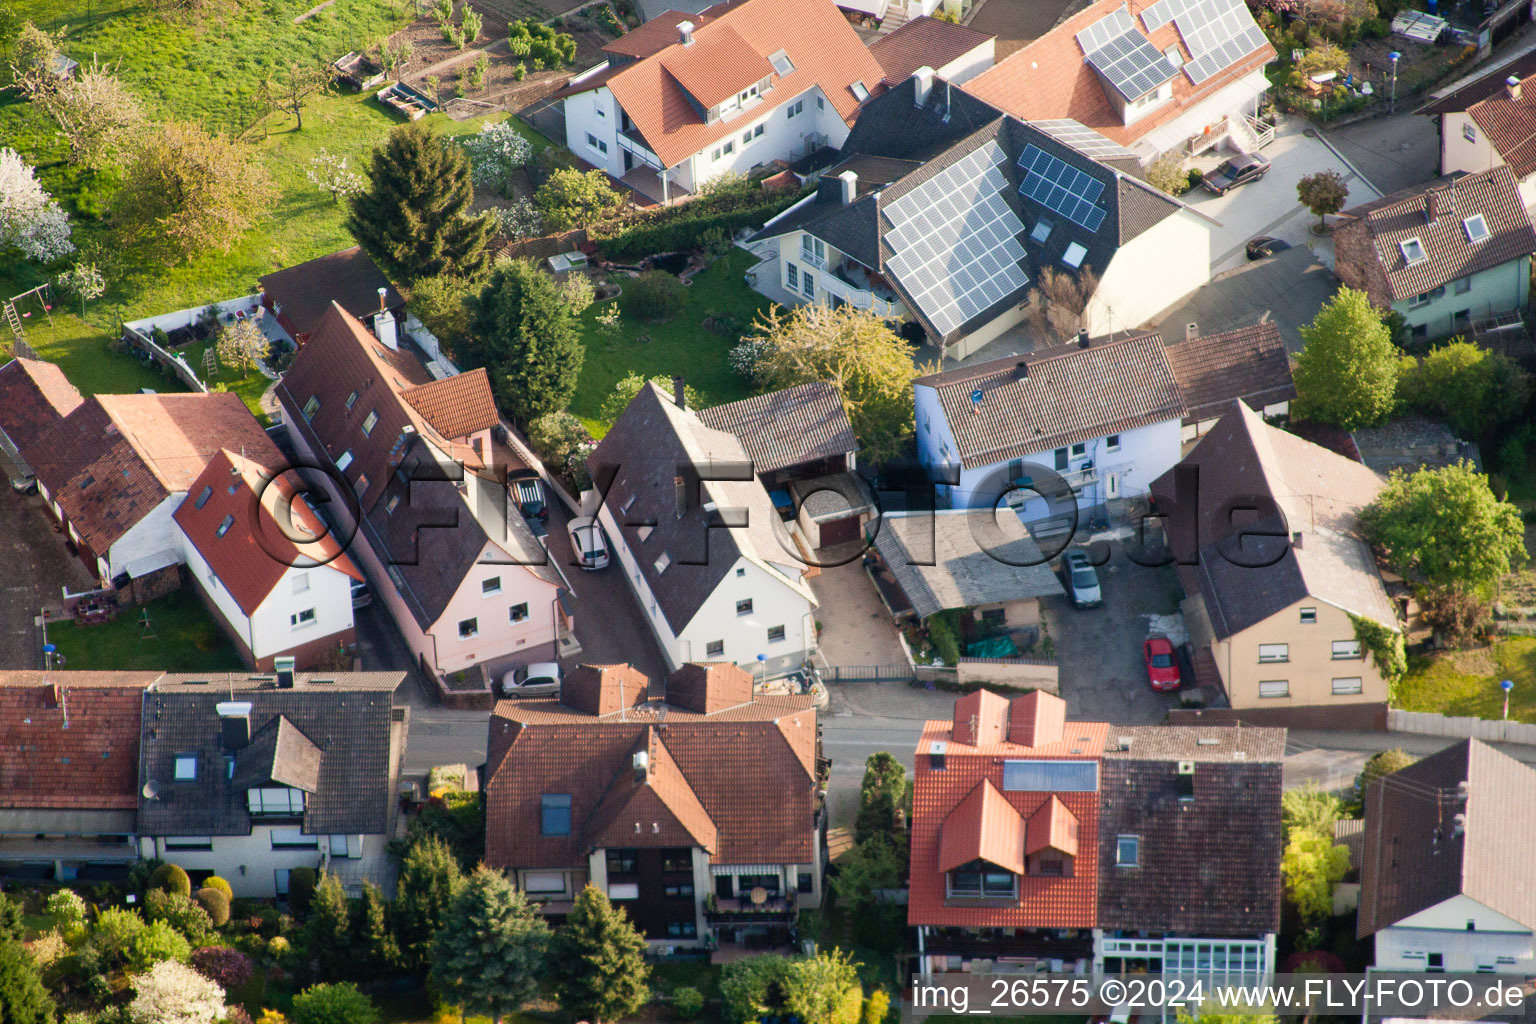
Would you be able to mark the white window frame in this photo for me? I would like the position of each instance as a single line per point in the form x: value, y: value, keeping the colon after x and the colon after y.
x: 791, y: 276
x: 808, y: 284
x: 490, y: 586
x: 474, y: 629
x: 1283, y: 691
x: 303, y: 619
x: 1308, y: 616
x: 1274, y: 653
x: 1112, y: 443
x: 184, y: 768
x: 300, y: 582
x: 1075, y: 254
x: 370, y: 421
x: 1413, y: 250
x: 1351, y: 685
x: 1347, y: 650
x: 344, y: 460
x: 1135, y: 843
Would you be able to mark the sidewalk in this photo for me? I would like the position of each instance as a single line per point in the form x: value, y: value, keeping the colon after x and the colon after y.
x: 1298, y: 740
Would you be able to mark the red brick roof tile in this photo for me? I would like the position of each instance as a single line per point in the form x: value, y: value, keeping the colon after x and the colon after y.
x: 983, y: 826
x: 457, y: 406
x: 1509, y: 124
x: 1052, y: 827
x: 34, y: 395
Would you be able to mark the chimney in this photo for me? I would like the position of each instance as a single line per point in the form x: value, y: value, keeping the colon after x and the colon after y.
x: 1296, y: 539
x: 284, y: 668
x: 1191, y: 331
x: 680, y: 392
x: 234, y: 723
x: 642, y: 763
x: 850, y: 186
x: 50, y: 695
x: 922, y: 85
x: 1186, y: 781
x: 680, y: 491
x: 1512, y: 84
x: 1438, y: 202
x: 383, y: 305
x: 685, y: 33
x: 1020, y: 370
x: 1082, y: 337
x: 384, y: 329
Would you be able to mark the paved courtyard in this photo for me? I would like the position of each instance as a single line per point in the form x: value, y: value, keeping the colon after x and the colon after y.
x: 856, y: 628
x: 38, y: 566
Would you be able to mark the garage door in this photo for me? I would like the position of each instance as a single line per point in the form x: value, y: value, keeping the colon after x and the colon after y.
x: 839, y: 531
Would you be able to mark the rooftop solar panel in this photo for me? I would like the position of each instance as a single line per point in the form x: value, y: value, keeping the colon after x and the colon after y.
x: 1217, y: 33
x: 1116, y: 23
x: 1050, y: 776
x: 1083, y: 139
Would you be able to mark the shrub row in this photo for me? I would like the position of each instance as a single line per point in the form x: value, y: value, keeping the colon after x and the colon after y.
x: 670, y: 228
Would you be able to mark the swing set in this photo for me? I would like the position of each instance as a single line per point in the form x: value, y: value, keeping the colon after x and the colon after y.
x: 42, y: 295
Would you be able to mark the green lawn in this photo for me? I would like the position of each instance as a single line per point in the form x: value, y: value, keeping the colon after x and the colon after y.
x: 679, y: 346
x: 1467, y: 682
x: 186, y: 639
x: 80, y: 350
x: 249, y: 385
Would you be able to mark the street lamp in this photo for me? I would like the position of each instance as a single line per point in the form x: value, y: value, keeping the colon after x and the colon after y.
x: 1506, y: 686
x: 1396, y: 56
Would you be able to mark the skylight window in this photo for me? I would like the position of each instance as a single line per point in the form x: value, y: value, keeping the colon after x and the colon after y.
x: 1043, y: 229
x: 345, y: 460
x: 1477, y: 228
x: 1073, y: 257
x: 663, y: 561
x: 202, y: 499
x: 1174, y: 56
x: 1413, y: 251
x: 860, y: 91
x: 225, y: 525
x: 185, y: 768
x: 781, y: 63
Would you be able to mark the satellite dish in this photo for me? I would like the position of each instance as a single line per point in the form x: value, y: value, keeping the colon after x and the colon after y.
x: 151, y: 790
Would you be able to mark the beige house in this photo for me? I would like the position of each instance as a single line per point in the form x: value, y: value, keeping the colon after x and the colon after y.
x: 1275, y: 568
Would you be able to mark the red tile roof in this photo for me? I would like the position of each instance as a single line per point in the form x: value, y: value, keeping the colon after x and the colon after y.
x: 1052, y: 827
x: 70, y: 740
x: 655, y: 35
x: 1049, y: 79
x: 260, y: 545
x: 983, y: 826
x: 1037, y: 719
x: 457, y: 406
x: 603, y: 689
x: 924, y: 42
x: 709, y: 688
x: 34, y: 395
x: 1509, y: 124
x: 823, y: 47
x: 654, y: 801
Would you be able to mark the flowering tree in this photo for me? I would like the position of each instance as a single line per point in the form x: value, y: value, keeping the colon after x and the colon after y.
x: 173, y: 993
x: 30, y: 219
x: 329, y: 173
x: 85, y: 280
x: 241, y: 344
x: 520, y: 220
x: 496, y: 153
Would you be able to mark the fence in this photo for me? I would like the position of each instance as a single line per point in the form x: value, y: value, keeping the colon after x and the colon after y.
x: 175, y: 363
x: 1426, y: 723
x: 970, y: 674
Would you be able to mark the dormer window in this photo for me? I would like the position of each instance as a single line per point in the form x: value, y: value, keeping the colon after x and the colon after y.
x: 860, y: 91
x: 1413, y: 251
x: 981, y: 880
x: 1175, y: 57
x: 1477, y: 228
x: 782, y: 65
x: 1073, y: 257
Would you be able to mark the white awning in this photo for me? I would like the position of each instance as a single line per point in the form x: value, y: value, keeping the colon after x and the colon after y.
x: 745, y: 869
x: 149, y: 563
x: 1237, y: 97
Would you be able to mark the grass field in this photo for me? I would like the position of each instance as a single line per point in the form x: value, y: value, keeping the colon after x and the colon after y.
x: 1467, y: 682
x: 80, y: 350
x: 679, y: 346
x: 186, y: 639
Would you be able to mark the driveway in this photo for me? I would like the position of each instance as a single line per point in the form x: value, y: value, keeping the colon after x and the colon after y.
x: 1098, y: 650
x: 1269, y: 206
x: 37, y: 567
x: 1392, y: 152
x: 856, y: 628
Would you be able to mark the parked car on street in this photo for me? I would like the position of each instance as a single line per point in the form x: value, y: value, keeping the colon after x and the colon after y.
x: 1263, y: 246
x: 362, y: 597
x: 1240, y: 170
x: 1162, y: 663
x: 541, y: 679
x: 1081, y: 580
x: 588, y: 543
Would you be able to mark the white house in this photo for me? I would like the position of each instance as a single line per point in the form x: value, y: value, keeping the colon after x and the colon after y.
x: 946, y: 213
x: 718, y: 575
x: 1444, y: 883
x: 249, y: 777
x: 275, y: 592
x: 685, y: 98
x: 1106, y: 419
x: 1453, y: 257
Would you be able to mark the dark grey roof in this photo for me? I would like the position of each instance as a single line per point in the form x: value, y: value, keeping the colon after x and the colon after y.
x: 1210, y: 865
x: 1213, y: 370
x: 940, y: 561
x: 805, y: 423
x: 346, y: 718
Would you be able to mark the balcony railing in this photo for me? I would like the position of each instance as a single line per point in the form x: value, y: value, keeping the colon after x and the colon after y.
x: 716, y: 909
x: 859, y: 298
x: 811, y: 259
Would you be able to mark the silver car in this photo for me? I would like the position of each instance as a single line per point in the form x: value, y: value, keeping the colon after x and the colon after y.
x: 541, y: 679
x: 588, y: 543
x: 1082, y: 580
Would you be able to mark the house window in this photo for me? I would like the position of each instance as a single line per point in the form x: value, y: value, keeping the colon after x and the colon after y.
x: 555, y: 814
x: 662, y: 561
x: 1308, y: 615
x: 593, y: 142
x: 544, y: 881
x: 518, y: 612
x: 298, y: 620
x: 782, y: 65
x: 1073, y: 257
x: 202, y: 499
x: 680, y: 891
x: 392, y: 504
x: 345, y: 460
x: 1476, y: 228
x: 293, y: 839
x: 185, y: 769
x: 224, y: 525
x: 1274, y: 652
x: 744, y: 607
x: 300, y: 582
x: 490, y: 586
x: 1345, y: 687
x: 188, y: 842
x: 740, y: 573
x: 715, y: 649
x: 775, y: 634
x: 623, y: 862
x: 978, y: 878
x: 795, y: 108
x: 1420, y: 332
x: 370, y: 421
x: 282, y: 801
x: 683, y: 929
x: 805, y: 882
x: 677, y: 858
x: 469, y: 628
x: 813, y: 250
x: 1128, y: 852
x: 1344, y: 650
x: 1079, y: 450
x: 1461, y: 285
x: 311, y: 407
x: 343, y: 846
x: 1434, y: 962
x: 791, y: 276
x: 860, y: 91
x: 1412, y: 250
x: 1061, y: 458
x: 1112, y: 443
x: 1042, y: 230
x: 808, y: 285
x: 362, y: 484
x: 351, y: 399
x: 1275, y: 688
x: 1469, y: 131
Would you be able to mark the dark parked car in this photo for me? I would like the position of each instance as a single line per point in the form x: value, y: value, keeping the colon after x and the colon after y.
x: 1263, y: 246
x: 528, y: 491
x: 1240, y: 170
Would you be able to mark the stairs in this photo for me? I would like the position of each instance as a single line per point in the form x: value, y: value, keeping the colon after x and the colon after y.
x: 895, y: 17
x: 14, y: 321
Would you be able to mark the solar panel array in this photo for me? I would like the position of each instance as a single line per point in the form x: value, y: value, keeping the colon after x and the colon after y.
x: 1217, y: 33
x: 1057, y: 185
x: 1115, y: 23
x: 1050, y: 776
x: 1083, y: 139
x: 1133, y: 66
x: 955, y: 240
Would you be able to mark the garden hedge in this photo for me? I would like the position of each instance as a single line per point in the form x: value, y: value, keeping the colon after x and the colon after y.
x: 171, y: 878
x: 672, y: 228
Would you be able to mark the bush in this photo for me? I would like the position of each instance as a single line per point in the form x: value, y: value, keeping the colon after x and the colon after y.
x: 675, y: 228
x: 215, y: 904
x: 301, y: 889
x: 655, y: 295
x: 687, y: 1003
x: 339, y: 1003
x: 171, y: 878
x: 877, y: 1007
x: 752, y: 987
x: 215, y: 882
x: 941, y: 633
x: 180, y: 912
x: 229, y: 967
x: 1167, y: 174
x: 1382, y: 764
x: 114, y: 932
x: 159, y: 941
x: 67, y: 908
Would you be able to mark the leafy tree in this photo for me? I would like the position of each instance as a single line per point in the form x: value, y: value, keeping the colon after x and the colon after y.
x: 441, y: 303
x: 577, y: 291
x: 241, y: 344
x: 687, y: 1002
x: 876, y: 1008
x: 96, y: 113
x: 487, y: 956
x: 289, y: 88
x: 1309, y: 809
x: 335, y: 1003
x: 561, y: 440
x: 178, y: 911
x: 655, y: 295
x: 629, y: 386
x: 1323, y: 193
x: 1347, y: 372
x: 66, y: 907
x: 114, y: 932
x: 571, y: 199
x: 854, y: 350
x: 171, y: 878
x: 429, y: 878
x: 23, y: 999
x: 825, y: 989
x: 414, y: 218
x: 470, y: 23
x: 10, y: 26
x: 32, y: 60
x: 1473, y: 390
x: 1058, y: 299
x: 870, y: 865
x: 173, y: 993
x: 13, y: 923
x: 85, y: 280
x: 753, y: 987
x: 518, y: 219
x: 373, y: 944
x: 190, y: 191
x: 30, y: 220
x: 496, y: 153
x: 329, y: 930
x: 330, y: 174
x: 158, y: 943
x: 1453, y: 613
x: 1168, y: 174
x: 1382, y: 764
x: 597, y: 960
x: 527, y: 336
x: 1445, y: 528
x: 882, y: 794
x: 1312, y: 863
x: 301, y: 889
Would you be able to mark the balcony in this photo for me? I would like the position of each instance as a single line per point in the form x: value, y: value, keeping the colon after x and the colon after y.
x: 838, y: 285
x: 631, y: 141
x: 744, y: 911
x: 810, y: 259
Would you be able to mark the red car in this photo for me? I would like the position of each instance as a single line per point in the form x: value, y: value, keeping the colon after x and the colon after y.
x: 1162, y: 665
